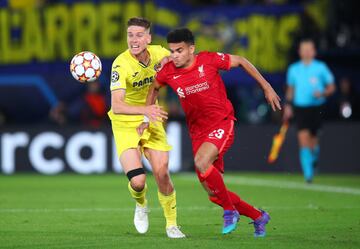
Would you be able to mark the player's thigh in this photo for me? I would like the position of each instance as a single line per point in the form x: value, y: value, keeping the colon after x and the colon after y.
x: 156, y: 148
x: 156, y: 139
x: 205, y: 156
x: 159, y: 160
x: 125, y: 136
x: 210, y: 149
x: 131, y: 159
x: 316, y: 117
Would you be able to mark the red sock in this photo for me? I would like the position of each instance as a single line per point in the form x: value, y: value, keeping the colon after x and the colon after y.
x: 215, y: 200
x: 243, y: 207
x: 216, y: 184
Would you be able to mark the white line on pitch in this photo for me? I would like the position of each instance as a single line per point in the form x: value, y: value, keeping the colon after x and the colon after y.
x: 251, y: 181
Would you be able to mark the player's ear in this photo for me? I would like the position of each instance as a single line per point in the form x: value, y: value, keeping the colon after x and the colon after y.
x: 149, y: 39
x: 192, y: 49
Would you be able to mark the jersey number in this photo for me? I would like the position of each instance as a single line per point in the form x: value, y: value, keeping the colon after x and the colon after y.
x: 219, y: 133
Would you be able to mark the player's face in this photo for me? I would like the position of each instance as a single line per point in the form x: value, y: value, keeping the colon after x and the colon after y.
x: 137, y: 38
x: 307, y: 50
x: 181, y: 53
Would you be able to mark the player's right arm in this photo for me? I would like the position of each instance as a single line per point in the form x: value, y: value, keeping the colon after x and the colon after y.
x: 153, y: 92
x: 118, y: 96
x: 118, y: 105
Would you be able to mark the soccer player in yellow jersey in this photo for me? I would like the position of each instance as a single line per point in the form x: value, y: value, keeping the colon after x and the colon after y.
x: 132, y: 73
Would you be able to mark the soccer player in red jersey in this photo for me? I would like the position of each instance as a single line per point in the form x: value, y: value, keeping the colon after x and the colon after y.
x: 210, y: 118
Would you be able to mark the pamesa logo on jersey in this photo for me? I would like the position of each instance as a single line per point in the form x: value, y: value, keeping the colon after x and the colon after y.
x: 143, y: 82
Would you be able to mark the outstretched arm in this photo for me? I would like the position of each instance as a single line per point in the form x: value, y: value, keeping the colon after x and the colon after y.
x: 153, y: 92
x: 150, y: 100
x: 119, y: 106
x: 272, y: 98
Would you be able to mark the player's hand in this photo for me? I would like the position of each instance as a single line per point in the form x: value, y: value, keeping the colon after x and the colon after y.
x: 318, y: 94
x: 142, y: 127
x: 164, y: 60
x: 272, y: 98
x: 288, y: 112
x: 155, y: 113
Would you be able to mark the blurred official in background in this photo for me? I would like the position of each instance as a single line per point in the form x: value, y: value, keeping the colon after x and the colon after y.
x: 309, y: 83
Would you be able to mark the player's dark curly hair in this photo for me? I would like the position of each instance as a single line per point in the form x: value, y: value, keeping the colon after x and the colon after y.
x: 181, y: 35
x: 139, y: 21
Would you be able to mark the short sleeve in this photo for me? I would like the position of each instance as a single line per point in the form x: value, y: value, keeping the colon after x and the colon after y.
x: 161, y: 77
x: 290, y: 79
x: 326, y: 74
x: 118, y: 76
x: 220, y: 60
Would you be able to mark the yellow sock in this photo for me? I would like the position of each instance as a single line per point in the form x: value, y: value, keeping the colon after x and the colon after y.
x: 139, y: 197
x: 168, y: 203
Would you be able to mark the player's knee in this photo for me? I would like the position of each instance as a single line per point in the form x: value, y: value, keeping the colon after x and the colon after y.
x: 138, y: 182
x: 201, y: 163
x: 137, y: 178
x: 162, y: 175
x: 211, y: 194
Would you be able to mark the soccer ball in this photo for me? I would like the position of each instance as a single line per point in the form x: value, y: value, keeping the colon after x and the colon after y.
x: 85, y: 67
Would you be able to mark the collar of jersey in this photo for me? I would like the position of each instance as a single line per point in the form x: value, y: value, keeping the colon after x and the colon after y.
x: 307, y: 65
x: 139, y: 62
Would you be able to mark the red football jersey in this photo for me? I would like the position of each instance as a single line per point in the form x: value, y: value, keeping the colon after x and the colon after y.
x: 201, y: 91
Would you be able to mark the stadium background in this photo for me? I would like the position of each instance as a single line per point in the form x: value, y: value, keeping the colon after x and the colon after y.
x: 59, y: 180
x: 49, y: 123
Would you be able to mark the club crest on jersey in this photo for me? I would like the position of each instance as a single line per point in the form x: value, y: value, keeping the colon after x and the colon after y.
x: 180, y: 92
x: 201, y: 71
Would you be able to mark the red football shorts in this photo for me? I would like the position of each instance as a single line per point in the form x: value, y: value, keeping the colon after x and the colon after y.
x: 222, y: 137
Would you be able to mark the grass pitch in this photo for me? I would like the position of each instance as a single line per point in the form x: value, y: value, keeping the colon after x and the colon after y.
x: 96, y: 211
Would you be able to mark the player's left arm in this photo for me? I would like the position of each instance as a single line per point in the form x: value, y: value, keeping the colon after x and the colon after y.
x: 272, y: 98
x: 164, y: 60
x: 329, y: 79
x: 329, y: 90
x: 153, y: 92
x: 150, y: 100
x: 165, y: 55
